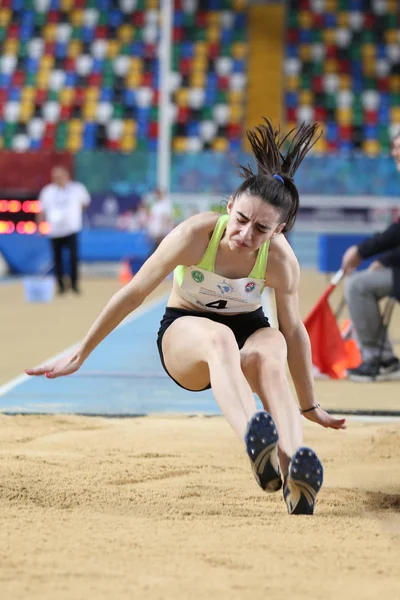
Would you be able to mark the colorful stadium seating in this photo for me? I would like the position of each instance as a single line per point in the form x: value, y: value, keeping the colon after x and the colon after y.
x: 83, y: 74
x: 342, y: 68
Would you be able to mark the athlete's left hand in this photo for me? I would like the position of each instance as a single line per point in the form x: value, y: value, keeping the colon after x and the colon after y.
x: 320, y: 416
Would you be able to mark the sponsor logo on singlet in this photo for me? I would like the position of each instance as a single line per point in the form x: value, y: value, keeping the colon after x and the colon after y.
x: 250, y: 286
x: 224, y: 287
x: 197, y: 276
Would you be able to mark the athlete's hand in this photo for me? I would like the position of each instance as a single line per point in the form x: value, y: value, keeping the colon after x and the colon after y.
x: 320, y: 416
x: 63, y: 366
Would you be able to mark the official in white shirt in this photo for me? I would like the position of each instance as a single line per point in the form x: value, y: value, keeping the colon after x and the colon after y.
x: 160, y: 219
x: 62, y: 203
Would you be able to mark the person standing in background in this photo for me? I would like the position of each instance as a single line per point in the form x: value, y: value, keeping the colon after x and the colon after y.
x: 62, y: 204
x: 160, y: 218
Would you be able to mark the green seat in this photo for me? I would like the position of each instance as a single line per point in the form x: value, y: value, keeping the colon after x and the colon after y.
x: 76, y: 33
x: 119, y: 111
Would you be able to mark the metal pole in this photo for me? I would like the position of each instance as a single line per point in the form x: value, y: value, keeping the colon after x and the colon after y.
x: 164, y: 126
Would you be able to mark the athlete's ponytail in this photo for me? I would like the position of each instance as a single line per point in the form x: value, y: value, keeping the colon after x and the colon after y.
x: 273, y: 181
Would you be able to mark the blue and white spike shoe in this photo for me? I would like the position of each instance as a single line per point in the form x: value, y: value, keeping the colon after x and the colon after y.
x: 261, y: 440
x: 303, y: 482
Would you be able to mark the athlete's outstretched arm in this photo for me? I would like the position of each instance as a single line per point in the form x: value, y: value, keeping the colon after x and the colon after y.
x: 286, y: 285
x: 175, y: 249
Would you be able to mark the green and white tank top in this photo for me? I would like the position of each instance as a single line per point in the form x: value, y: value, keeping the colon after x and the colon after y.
x: 202, y: 287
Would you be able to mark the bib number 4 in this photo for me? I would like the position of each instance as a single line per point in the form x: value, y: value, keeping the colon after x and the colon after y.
x: 218, y: 304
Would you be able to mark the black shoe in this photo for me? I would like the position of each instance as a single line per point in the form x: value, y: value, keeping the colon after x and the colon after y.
x: 76, y: 291
x: 261, y: 440
x: 374, y: 371
x: 303, y: 482
x: 60, y: 291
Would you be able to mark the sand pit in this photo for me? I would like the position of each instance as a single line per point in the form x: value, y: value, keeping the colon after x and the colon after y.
x: 167, y: 508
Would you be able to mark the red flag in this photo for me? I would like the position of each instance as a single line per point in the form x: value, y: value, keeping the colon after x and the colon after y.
x: 327, y: 345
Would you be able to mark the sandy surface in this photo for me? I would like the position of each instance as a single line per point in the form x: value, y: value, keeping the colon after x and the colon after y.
x: 167, y: 508
x: 160, y: 508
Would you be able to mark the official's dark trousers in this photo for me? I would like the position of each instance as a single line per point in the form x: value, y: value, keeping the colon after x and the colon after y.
x: 70, y: 242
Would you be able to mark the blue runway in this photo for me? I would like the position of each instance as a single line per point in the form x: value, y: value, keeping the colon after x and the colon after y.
x: 123, y: 376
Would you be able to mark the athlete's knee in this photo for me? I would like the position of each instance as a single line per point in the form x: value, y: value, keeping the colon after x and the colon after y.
x: 266, y: 356
x: 221, y: 340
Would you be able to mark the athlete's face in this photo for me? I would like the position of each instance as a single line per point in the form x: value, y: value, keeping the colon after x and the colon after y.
x: 251, y: 223
x: 396, y: 151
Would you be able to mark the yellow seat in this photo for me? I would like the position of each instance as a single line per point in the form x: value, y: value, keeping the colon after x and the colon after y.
x: 213, y: 34
x: 28, y: 93
x: 329, y: 36
x: 197, y: 79
x: 306, y: 97
x: 47, y: 62
x: 42, y: 80
x: 5, y: 16
x: 179, y: 144
x: 136, y: 64
x: 130, y: 127
x: 236, y: 114
x: 342, y: 19
x: 89, y: 111
x: 113, y: 48
x: 67, y: 96
x: 344, y: 116
x: 220, y: 144
x: 391, y: 36
x: 371, y: 147
x: 393, y: 6
x: 368, y: 67
x: 330, y: 6
x: 10, y: 46
x: 235, y: 97
x: 125, y: 33
x: 201, y: 48
x: 153, y: 4
x: 212, y: 18
x: 368, y: 51
x: 74, y: 142
x: 331, y: 65
x: 49, y: 32
x: 239, y: 50
x: 26, y: 112
x: 305, y: 52
x: 199, y: 63
x: 394, y: 83
x: 134, y: 80
x: 182, y: 97
x: 76, y: 17
x: 292, y: 83
x: 239, y: 5
x: 92, y: 94
x: 395, y: 114
x: 74, y: 48
x: 128, y: 143
x: 345, y: 81
x: 75, y: 127
x: 304, y: 18
x: 67, y: 5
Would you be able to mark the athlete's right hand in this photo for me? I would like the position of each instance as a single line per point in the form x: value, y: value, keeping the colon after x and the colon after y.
x: 63, y: 366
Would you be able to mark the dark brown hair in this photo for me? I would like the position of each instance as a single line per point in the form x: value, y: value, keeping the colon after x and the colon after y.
x: 267, y: 146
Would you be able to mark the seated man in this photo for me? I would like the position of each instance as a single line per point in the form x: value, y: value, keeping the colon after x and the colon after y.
x: 363, y: 290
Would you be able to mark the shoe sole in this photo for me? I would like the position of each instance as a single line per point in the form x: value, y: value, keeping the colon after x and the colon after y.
x: 261, y: 440
x: 307, y: 474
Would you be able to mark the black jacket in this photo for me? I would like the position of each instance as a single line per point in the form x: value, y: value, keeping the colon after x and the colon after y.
x: 387, y: 245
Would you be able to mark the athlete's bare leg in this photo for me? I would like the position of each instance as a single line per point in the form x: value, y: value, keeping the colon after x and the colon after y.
x: 263, y: 360
x: 198, y: 351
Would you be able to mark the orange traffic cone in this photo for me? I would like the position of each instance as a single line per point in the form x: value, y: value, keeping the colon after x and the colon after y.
x: 353, y: 356
x: 125, y: 273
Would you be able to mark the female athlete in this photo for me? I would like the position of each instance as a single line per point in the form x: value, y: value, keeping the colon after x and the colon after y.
x: 214, y: 333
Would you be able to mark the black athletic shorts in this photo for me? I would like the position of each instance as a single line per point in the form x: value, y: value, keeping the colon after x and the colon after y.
x: 242, y: 326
